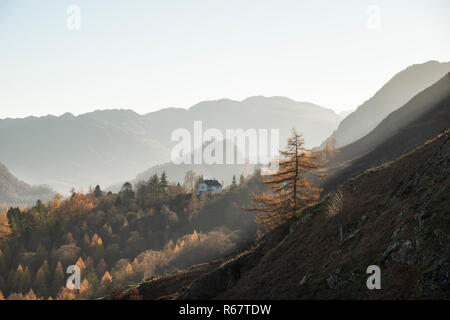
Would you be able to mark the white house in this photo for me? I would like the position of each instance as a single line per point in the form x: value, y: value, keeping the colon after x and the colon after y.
x: 209, y: 187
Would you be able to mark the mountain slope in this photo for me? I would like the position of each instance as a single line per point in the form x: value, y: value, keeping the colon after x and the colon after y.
x: 394, y: 216
x: 393, y: 95
x: 422, y: 118
x: 14, y: 192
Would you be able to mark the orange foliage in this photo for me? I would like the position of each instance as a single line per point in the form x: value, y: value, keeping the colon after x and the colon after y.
x: 291, y: 188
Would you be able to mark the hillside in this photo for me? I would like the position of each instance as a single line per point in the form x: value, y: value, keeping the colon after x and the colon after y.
x: 419, y: 120
x: 393, y: 95
x: 394, y: 216
x: 106, y: 147
x: 14, y: 192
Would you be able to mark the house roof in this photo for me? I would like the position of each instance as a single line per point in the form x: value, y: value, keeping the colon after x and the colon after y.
x: 212, y: 183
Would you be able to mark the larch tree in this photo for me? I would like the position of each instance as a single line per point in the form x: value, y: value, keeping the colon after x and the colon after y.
x: 58, y: 278
x: 5, y: 229
x: 163, y: 182
x: 292, y: 188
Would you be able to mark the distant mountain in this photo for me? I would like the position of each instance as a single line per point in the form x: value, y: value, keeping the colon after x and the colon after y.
x: 419, y: 120
x: 255, y: 112
x: 394, y: 94
x: 105, y: 147
x: 69, y: 151
x: 14, y: 192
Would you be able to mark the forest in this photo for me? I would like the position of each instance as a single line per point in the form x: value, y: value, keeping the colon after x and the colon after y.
x: 151, y: 228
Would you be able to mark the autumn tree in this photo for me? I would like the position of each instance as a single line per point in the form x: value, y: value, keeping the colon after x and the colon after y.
x: 292, y: 188
x: 163, y: 182
x: 80, y: 264
x: 233, y: 181
x: 336, y: 210
x: 105, y: 283
x: 2, y: 263
x: 66, y: 294
x: 189, y: 180
x: 329, y: 151
x: 39, y: 283
x: 194, y: 206
x: 5, y: 229
x: 58, y: 277
x: 98, y: 193
x: 125, y: 195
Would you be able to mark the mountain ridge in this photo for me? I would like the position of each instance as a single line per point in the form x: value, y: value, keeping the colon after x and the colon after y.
x: 402, y: 87
x: 106, y: 146
x: 422, y: 118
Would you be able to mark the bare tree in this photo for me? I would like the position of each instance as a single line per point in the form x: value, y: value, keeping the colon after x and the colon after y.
x: 189, y: 180
x: 335, y: 209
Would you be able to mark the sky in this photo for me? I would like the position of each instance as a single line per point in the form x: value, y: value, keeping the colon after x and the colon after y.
x: 148, y: 55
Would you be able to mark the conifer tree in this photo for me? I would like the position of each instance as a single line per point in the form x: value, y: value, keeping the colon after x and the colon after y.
x: 105, y: 283
x: 292, y: 189
x: 98, y: 191
x: 26, y: 279
x: 163, y: 182
x: 2, y: 263
x: 17, y: 284
x: 58, y: 278
x: 5, y: 229
x: 2, y: 283
x: 80, y: 264
x: 39, y: 283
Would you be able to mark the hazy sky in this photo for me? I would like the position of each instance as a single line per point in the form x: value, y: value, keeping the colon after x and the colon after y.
x: 146, y: 55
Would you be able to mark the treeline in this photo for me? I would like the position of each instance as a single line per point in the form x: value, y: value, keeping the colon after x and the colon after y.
x: 116, y: 239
